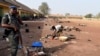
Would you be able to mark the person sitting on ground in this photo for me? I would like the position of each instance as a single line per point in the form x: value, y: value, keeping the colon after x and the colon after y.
x: 58, y: 29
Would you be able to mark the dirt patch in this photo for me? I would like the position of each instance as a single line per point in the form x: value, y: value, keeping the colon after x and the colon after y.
x: 87, y: 42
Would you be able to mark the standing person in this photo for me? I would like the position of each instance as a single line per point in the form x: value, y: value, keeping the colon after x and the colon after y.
x: 57, y: 30
x: 12, y: 22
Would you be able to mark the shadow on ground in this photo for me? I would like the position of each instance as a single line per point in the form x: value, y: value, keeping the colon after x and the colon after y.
x: 52, y: 50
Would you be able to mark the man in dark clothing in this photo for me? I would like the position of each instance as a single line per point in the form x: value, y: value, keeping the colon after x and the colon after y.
x: 12, y: 22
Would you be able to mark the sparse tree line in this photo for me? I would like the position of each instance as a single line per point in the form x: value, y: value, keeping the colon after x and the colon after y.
x: 44, y: 9
x: 90, y: 15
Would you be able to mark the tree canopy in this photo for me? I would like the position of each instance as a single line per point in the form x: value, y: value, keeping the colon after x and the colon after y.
x: 44, y: 8
x: 89, y: 15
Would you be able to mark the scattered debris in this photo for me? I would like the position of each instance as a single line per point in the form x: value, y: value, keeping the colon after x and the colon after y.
x: 68, y: 21
x: 45, y: 41
x: 46, y: 24
x: 70, y: 36
x: 60, y: 22
x: 74, y: 28
x: 66, y: 28
x: 49, y: 36
x: 77, y: 29
x: 89, y: 40
x: 64, y: 22
x: 70, y: 28
x: 82, y: 25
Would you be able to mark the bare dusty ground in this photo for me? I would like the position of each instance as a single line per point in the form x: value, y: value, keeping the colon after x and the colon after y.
x: 86, y: 43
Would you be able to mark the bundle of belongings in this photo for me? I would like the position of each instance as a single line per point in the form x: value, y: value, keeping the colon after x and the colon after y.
x: 67, y: 38
x: 36, y: 49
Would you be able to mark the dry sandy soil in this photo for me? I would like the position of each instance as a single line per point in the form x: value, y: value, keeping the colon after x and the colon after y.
x: 87, y: 42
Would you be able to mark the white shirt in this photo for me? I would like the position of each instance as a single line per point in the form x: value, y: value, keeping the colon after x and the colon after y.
x: 58, y: 27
